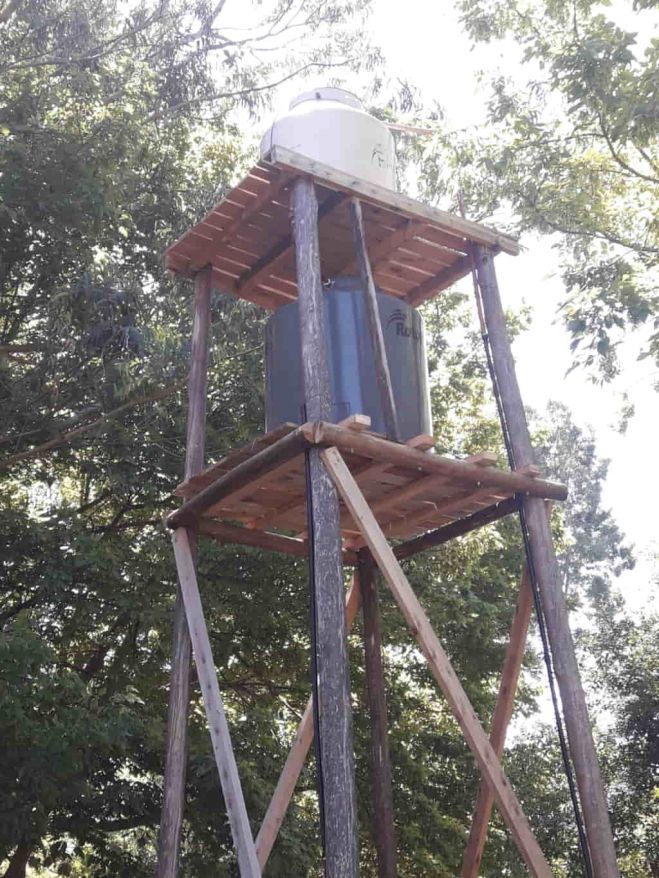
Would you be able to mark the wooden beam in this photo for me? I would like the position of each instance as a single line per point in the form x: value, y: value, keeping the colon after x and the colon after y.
x: 335, y: 759
x: 384, y: 832
x: 439, y: 663
x: 502, y: 713
x: 254, y: 467
x: 171, y: 818
x: 394, y: 201
x: 444, y: 278
x: 281, y: 251
x: 456, y: 529
x: 271, y: 542
x: 381, y: 364
x: 582, y: 747
x: 217, y: 721
x: 379, y: 252
x: 274, y: 816
x: 458, y: 470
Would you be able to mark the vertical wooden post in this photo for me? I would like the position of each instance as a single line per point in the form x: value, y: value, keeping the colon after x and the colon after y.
x: 335, y: 749
x: 384, y: 832
x: 179, y: 681
x: 582, y: 747
x: 502, y: 712
x: 382, y: 373
x: 285, y: 788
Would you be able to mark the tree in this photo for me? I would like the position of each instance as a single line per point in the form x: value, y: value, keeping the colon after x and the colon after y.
x: 570, y: 150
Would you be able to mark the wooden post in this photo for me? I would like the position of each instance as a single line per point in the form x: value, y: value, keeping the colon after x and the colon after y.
x: 179, y: 681
x: 217, y: 721
x: 335, y: 749
x: 502, y: 712
x: 582, y: 747
x: 384, y: 832
x: 382, y: 373
x: 295, y: 760
x: 439, y: 663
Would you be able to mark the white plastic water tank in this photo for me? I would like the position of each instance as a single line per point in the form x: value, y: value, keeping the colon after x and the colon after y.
x: 331, y: 126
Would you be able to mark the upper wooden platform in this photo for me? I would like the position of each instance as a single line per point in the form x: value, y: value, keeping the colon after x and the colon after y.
x: 416, y: 251
x: 410, y: 490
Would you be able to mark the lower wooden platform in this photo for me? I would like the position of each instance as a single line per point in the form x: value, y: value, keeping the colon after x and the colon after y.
x: 258, y: 492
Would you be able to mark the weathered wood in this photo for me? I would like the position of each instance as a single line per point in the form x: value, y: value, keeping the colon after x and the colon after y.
x: 384, y: 832
x: 283, y: 450
x: 217, y: 721
x: 582, y: 747
x: 459, y: 470
x: 179, y: 681
x: 456, y: 529
x: 381, y: 364
x: 297, y: 755
x: 335, y: 748
x: 401, y: 204
x: 502, y: 713
x: 439, y: 663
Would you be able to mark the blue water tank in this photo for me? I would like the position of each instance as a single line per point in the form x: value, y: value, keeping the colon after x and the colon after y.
x: 351, y: 366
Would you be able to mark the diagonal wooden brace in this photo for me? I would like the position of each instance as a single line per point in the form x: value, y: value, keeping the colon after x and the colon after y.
x: 274, y: 816
x: 217, y: 721
x: 440, y: 665
x: 502, y: 713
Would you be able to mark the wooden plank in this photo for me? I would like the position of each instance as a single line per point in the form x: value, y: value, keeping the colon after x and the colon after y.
x: 378, y: 253
x: 384, y: 832
x: 271, y: 542
x: 217, y: 721
x: 502, y: 713
x: 274, y: 816
x: 335, y: 760
x: 283, y: 450
x: 401, y: 204
x: 283, y: 250
x: 459, y: 471
x: 444, y: 278
x: 582, y: 747
x: 173, y: 806
x: 456, y: 529
x: 439, y: 663
x: 381, y: 364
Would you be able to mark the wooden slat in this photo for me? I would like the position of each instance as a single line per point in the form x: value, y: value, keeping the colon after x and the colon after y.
x: 439, y: 663
x: 217, y: 721
x: 440, y: 281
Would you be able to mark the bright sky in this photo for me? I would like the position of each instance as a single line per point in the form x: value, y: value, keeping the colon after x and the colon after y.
x: 425, y: 47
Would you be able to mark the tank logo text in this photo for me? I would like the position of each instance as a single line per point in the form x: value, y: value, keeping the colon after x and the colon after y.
x: 399, y: 319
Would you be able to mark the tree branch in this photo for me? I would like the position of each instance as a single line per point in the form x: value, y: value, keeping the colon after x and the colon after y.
x: 64, y: 438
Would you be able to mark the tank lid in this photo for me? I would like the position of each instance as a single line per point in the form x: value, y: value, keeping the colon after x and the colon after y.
x: 327, y: 93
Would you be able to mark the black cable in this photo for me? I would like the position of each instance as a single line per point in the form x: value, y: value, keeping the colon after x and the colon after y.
x: 314, y: 650
x: 542, y: 627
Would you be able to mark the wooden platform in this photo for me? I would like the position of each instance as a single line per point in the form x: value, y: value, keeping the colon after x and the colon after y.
x: 416, y: 251
x: 261, y: 486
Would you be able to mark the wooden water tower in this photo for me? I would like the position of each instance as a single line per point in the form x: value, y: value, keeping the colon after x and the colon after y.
x: 337, y: 493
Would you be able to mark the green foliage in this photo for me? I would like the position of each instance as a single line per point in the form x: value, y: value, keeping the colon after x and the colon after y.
x: 115, y: 135
x: 570, y: 150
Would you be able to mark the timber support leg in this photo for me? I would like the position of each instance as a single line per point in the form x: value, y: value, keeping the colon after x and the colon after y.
x: 296, y: 757
x: 384, y: 832
x: 439, y: 663
x: 502, y: 713
x: 336, y: 774
x: 217, y: 721
x: 179, y: 683
x: 545, y: 567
